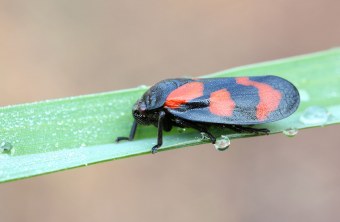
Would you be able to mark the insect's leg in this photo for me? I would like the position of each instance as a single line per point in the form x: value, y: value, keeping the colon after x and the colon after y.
x: 132, y: 133
x: 238, y: 128
x: 160, y: 132
x: 197, y: 127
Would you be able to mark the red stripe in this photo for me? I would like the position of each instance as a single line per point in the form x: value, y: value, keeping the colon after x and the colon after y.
x: 184, y: 94
x: 269, y: 97
x: 221, y: 103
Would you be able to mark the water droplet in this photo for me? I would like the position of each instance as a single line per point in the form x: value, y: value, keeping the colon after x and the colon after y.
x: 59, y: 123
x: 6, y: 147
x: 333, y: 93
x: 222, y: 143
x: 304, y: 96
x: 83, y: 145
x: 30, y: 122
x: 56, y: 144
x: 142, y: 87
x: 314, y: 115
x: 181, y: 130
x: 290, y: 132
x: 204, y: 136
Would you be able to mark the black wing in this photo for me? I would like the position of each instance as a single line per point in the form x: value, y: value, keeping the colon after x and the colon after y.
x: 238, y: 101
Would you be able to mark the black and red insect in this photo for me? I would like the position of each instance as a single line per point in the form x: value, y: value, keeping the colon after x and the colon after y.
x: 235, y: 103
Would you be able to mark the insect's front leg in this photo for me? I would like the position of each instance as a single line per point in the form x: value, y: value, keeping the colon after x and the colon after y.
x: 132, y: 133
x: 160, y: 132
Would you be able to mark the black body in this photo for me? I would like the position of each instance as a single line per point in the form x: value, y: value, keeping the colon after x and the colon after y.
x: 174, y: 102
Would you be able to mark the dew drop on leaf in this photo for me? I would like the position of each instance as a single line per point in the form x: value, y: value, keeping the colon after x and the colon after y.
x: 290, y: 132
x: 222, y: 143
x: 204, y: 136
x: 304, y: 96
x: 142, y: 87
x: 314, y: 115
x: 6, y: 147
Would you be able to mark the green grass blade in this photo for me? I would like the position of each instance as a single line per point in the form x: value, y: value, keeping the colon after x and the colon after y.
x: 66, y: 133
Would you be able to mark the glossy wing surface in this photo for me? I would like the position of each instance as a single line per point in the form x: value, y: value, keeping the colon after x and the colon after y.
x: 238, y: 101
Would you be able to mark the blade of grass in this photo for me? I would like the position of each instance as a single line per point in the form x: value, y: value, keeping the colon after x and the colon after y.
x: 60, y: 134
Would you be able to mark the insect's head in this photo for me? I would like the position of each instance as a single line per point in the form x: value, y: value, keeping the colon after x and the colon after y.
x: 138, y: 110
x: 146, y: 109
x: 143, y: 115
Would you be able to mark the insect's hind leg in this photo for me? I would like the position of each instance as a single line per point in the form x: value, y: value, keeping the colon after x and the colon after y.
x: 245, y: 129
x: 201, y: 129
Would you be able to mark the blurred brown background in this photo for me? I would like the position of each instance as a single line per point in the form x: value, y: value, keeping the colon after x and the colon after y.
x: 58, y: 48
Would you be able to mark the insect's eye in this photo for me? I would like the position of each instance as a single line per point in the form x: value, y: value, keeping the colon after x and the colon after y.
x: 142, y: 107
x: 138, y: 114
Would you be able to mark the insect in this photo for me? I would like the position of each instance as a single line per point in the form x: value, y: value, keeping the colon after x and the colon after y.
x: 236, y: 103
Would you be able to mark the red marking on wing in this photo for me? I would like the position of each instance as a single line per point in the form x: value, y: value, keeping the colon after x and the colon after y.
x: 221, y: 103
x: 183, y: 94
x: 269, y: 97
